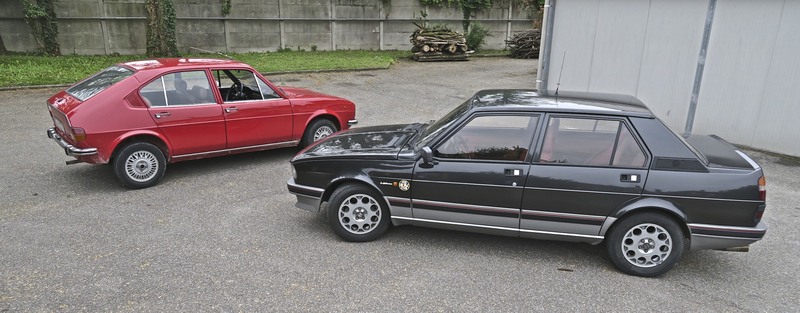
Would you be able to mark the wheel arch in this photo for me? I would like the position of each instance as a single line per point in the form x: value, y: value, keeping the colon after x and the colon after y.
x: 652, y: 205
x: 323, y: 114
x: 336, y: 183
x: 149, y: 137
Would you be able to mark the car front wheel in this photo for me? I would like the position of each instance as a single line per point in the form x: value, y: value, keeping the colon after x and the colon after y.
x: 319, y: 129
x: 645, y: 244
x: 356, y: 213
x: 140, y: 165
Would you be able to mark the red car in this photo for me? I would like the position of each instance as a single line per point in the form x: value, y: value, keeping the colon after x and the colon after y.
x: 140, y: 115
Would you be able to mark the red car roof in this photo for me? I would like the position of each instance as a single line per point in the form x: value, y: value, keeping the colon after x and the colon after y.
x: 177, y: 62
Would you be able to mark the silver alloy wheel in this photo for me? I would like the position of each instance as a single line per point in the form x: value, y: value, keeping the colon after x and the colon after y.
x: 359, y: 214
x: 646, y: 245
x: 322, y: 132
x: 141, y: 166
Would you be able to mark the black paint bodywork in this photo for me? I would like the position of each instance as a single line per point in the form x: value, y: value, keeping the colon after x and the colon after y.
x: 708, y: 186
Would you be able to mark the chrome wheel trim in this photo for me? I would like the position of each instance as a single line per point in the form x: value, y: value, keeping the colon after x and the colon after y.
x: 646, y: 245
x: 359, y: 214
x: 322, y: 132
x: 141, y: 166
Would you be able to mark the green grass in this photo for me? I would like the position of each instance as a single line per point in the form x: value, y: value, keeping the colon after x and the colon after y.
x: 28, y: 70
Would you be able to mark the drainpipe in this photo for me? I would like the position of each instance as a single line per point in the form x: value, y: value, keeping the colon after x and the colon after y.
x: 701, y: 64
x: 542, y: 72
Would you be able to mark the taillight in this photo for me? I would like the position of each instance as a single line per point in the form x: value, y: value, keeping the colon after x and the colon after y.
x: 78, y: 134
x: 762, y: 188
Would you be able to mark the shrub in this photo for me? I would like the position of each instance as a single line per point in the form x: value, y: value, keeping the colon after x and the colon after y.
x: 476, y: 36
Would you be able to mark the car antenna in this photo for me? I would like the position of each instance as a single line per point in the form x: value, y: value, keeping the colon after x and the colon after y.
x: 558, y: 84
x: 212, y: 52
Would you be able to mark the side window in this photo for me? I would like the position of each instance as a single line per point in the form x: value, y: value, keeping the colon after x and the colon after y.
x: 266, y: 91
x: 183, y: 88
x: 495, y: 137
x: 238, y: 85
x: 593, y: 142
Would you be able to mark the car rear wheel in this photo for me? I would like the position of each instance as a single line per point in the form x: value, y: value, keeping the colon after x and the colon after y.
x: 356, y: 213
x: 645, y: 244
x: 140, y: 165
x: 319, y: 129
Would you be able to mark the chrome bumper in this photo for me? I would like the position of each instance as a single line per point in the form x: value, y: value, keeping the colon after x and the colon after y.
x: 352, y: 122
x: 68, y: 148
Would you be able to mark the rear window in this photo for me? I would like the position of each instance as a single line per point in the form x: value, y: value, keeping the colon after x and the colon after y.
x: 99, y: 82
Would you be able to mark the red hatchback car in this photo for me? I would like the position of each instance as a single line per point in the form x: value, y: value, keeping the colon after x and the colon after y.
x: 140, y: 115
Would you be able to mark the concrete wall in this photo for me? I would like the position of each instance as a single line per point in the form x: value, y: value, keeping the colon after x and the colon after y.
x: 749, y: 91
x: 118, y: 26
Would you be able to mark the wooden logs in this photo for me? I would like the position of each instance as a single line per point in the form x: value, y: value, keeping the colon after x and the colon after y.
x: 525, y: 45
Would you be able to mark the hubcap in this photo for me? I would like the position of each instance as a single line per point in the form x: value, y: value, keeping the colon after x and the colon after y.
x: 646, y: 245
x: 322, y: 132
x: 141, y: 166
x: 359, y: 214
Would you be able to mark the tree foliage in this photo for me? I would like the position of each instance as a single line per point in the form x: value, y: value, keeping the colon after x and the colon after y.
x: 40, y: 15
x: 161, y: 40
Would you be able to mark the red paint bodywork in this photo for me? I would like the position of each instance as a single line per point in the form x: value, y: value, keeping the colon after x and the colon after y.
x: 118, y: 115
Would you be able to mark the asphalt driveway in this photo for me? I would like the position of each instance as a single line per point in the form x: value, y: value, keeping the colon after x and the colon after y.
x: 222, y: 234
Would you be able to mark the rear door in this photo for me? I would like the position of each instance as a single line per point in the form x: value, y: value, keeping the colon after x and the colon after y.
x: 479, y: 173
x: 587, y: 166
x: 183, y: 106
x: 255, y: 114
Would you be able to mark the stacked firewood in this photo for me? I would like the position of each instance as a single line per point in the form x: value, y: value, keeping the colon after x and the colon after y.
x: 437, y: 39
x: 525, y: 45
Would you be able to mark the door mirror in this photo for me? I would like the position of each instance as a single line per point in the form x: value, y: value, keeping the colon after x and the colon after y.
x: 427, y: 155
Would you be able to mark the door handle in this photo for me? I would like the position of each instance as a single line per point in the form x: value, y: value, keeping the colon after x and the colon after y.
x: 231, y: 109
x: 159, y: 115
x: 629, y: 178
x: 512, y: 172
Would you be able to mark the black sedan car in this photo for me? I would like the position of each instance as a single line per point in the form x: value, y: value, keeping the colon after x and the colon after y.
x: 594, y: 169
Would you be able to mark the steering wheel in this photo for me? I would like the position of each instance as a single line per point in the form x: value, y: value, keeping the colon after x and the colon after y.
x: 235, y: 92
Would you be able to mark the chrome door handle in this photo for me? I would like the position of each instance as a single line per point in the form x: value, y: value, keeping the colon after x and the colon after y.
x: 512, y: 172
x: 629, y: 178
x: 159, y: 115
x: 231, y: 109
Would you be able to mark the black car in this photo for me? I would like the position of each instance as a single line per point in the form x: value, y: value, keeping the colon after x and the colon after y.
x: 588, y: 168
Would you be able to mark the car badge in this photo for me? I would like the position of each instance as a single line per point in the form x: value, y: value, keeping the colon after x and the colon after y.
x: 404, y: 185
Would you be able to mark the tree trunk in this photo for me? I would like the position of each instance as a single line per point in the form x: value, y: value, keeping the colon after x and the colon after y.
x: 161, y: 29
x: 465, y: 22
x: 2, y: 46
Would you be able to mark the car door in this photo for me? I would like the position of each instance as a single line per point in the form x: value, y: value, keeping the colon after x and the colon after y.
x: 478, y: 174
x: 184, y: 108
x: 254, y: 113
x: 587, y: 167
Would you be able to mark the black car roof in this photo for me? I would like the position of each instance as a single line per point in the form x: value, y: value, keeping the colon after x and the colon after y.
x: 567, y: 102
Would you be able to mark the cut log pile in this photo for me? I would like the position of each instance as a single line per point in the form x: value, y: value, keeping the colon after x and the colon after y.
x: 438, y: 42
x: 525, y: 45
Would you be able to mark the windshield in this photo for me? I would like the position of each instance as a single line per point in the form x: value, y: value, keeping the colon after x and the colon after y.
x: 443, y: 123
x: 99, y: 82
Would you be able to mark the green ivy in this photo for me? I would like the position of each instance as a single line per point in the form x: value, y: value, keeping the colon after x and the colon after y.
x: 161, y: 40
x: 41, y: 17
x: 226, y: 7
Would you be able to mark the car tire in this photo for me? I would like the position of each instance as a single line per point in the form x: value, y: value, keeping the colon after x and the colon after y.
x: 139, y: 165
x: 318, y: 129
x: 645, y: 244
x: 356, y: 213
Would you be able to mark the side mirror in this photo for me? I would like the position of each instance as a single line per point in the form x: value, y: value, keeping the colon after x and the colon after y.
x: 427, y: 155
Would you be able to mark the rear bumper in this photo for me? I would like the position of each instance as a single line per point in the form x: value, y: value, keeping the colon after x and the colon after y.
x: 706, y: 236
x: 308, y: 198
x: 69, y: 149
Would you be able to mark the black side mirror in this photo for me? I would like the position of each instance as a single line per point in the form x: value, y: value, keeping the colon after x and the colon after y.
x: 427, y: 156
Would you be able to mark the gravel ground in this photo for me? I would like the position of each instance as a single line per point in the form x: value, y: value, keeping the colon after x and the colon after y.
x: 223, y: 234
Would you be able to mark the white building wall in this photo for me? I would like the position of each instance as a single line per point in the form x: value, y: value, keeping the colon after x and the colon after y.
x: 750, y: 91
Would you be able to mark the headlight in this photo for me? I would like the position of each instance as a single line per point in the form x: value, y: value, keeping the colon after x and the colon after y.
x: 294, y: 171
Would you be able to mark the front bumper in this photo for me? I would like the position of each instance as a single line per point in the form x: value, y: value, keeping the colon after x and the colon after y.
x: 69, y: 149
x: 352, y: 122
x: 308, y: 198
x: 718, y: 237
